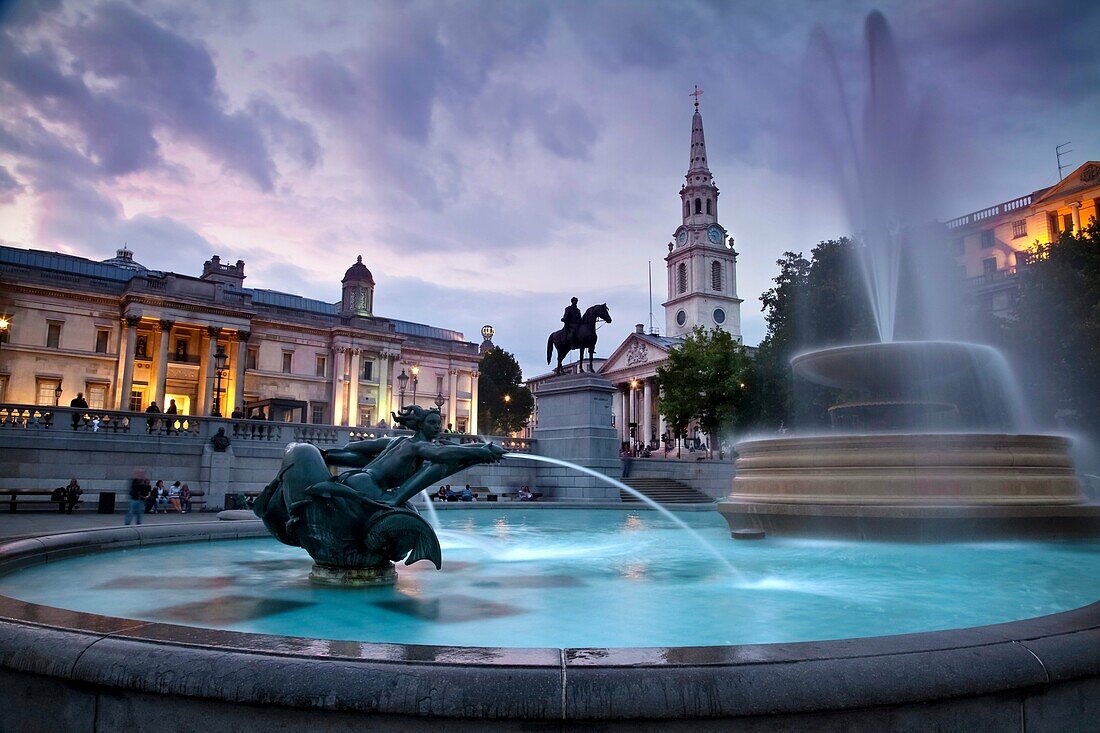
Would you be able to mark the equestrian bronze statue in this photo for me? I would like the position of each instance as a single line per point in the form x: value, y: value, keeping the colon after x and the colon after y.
x: 577, y: 335
x: 357, y: 524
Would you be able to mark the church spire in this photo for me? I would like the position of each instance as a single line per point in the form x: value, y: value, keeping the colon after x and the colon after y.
x: 698, y: 164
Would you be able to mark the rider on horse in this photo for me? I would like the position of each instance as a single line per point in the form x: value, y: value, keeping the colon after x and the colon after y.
x: 571, y: 319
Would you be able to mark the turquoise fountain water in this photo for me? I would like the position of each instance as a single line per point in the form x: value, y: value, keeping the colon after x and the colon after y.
x: 583, y: 578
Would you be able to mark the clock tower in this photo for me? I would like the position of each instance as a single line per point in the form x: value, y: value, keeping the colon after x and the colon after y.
x: 701, y: 261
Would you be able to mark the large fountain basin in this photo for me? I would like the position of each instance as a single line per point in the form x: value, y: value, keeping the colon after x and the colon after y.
x: 68, y: 670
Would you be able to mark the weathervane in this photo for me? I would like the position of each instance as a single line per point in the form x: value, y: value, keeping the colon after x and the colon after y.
x: 696, y: 94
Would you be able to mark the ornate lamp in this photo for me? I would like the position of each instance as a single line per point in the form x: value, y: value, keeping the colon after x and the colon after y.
x: 416, y: 378
x: 403, y: 381
x: 220, y: 359
x: 439, y: 400
x: 57, y: 395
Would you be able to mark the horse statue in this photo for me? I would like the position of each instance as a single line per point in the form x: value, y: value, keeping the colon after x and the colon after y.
x: 583, y: 338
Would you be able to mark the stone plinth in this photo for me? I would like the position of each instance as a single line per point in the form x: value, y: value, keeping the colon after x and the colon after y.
x: 574, y: 413
x: 353, y: 577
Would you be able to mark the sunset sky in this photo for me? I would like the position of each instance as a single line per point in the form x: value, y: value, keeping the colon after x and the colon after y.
x: 491, y: 159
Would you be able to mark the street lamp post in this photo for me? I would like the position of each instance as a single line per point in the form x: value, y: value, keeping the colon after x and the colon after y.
x: 403, y: 381
x: 220, y: 359
x: 57, y: 395
x: 416, y: 378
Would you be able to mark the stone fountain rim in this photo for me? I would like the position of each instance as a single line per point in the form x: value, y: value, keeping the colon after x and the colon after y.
x: 216, y: 668
x: 819, y: 365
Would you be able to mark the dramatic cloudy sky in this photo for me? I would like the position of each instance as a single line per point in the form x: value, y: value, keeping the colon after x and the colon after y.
x: 490, y: 159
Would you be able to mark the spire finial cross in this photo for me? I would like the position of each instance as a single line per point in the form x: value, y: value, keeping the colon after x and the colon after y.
x: 696, y: 94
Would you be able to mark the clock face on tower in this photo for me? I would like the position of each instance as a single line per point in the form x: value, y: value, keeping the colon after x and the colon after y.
x: 714, y: 234
x: 682, y: 237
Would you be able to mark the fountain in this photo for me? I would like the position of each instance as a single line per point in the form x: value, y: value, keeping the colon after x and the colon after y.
x: 929, y: 436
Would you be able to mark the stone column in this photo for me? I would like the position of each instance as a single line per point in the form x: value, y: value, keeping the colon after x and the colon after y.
x: 212, y: 333
x: 647, y: 410
x: 617, y: 409
x: 472, y: 427
x: 452, y: 397
x: 126, y: 356
x: 384, y: 406
x: 624, y: 427
x: 238, y: 372
x: 1075, y: 209
x: 162, y: 363
x: 337, y: 385
x: 353, y: 388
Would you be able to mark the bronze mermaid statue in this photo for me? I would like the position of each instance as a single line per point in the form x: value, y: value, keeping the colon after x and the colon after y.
x: 355, y: 525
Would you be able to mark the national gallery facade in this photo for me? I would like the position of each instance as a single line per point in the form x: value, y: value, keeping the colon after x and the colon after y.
x: 127, y: 336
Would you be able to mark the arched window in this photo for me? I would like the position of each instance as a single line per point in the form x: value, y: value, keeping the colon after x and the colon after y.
x: 687, y: 208
x: 708, y: 206
x: 716, y: 275
x: 681, y: 278
x: 698, y: 206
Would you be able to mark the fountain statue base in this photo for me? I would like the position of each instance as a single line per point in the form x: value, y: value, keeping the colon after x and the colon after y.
x: 353, y: 577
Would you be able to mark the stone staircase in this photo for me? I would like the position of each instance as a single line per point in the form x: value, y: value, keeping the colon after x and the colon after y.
x: 663, y: 491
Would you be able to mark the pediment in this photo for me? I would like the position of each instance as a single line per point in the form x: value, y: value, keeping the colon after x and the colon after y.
x: 634, y: 353
x: 1085, y: 176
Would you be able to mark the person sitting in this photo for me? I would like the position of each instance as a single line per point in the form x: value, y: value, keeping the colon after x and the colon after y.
x: 185, y: 498
x: 524, y: 493
x: 162, y: 498
x: 67, y: 497
x: 452, y: 495
x: 151, y: 499
x: 174, y: 497
x: 441, y: 495
x: 466, y: 494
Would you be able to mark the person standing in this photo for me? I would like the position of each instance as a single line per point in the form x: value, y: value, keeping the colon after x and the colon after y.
x: 139, y: 492
x: 78, y: 403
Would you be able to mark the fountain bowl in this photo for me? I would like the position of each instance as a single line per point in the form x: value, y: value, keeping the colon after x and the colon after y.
x: 66, y: 670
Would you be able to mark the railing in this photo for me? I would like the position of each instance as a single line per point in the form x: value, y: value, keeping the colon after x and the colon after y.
x: 108, y: 423
x: 987, y: 213
x: 993, y: 277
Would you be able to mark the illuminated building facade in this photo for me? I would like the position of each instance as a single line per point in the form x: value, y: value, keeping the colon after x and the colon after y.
x: 991, y: 245
x: 126, y: 336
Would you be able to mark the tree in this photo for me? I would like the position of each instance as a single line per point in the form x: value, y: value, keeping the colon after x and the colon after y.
x: 503, y: 403
x: 815, y: 303
x: 706, y: 378
x: 1055, y: 329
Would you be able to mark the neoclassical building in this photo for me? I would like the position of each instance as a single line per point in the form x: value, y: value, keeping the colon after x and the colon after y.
x: 993, y: 244
x: 126, y: 336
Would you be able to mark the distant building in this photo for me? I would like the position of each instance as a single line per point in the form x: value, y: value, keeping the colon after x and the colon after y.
x: 992, y: 245
x: 125, y: 336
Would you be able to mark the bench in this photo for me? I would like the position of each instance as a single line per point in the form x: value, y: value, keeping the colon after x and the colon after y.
x: 481, y: 493
x: 15, y: 497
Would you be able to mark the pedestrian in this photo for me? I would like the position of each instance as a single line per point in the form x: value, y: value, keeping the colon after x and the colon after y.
x: 152, y: 423
x: 78, y: 403
x: 139, y: 493
x: 238, y: 413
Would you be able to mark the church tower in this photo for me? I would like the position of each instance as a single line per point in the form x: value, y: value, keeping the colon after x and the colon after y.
x: 701, y: 261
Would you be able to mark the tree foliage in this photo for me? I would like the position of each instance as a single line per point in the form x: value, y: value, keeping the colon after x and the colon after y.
x: 707, y: 378
x: 1055, y: 329
x: 815, y: 303
x: 501, y: 377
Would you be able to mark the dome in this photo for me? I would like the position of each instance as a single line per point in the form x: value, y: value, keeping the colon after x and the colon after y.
x: 125, y: 258
x: 358, y: 273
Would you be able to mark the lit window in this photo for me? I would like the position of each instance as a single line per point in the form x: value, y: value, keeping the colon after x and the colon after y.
x: 45, y: 394
x: 1019, y: 228
x: 135, y: 401
x: 288, y: 356
x: 97, y: 396
x: 101, y: 338
x: 987, y: 239
x: 681, y: 278
x: 53, y: 340
x: 716, y: 276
